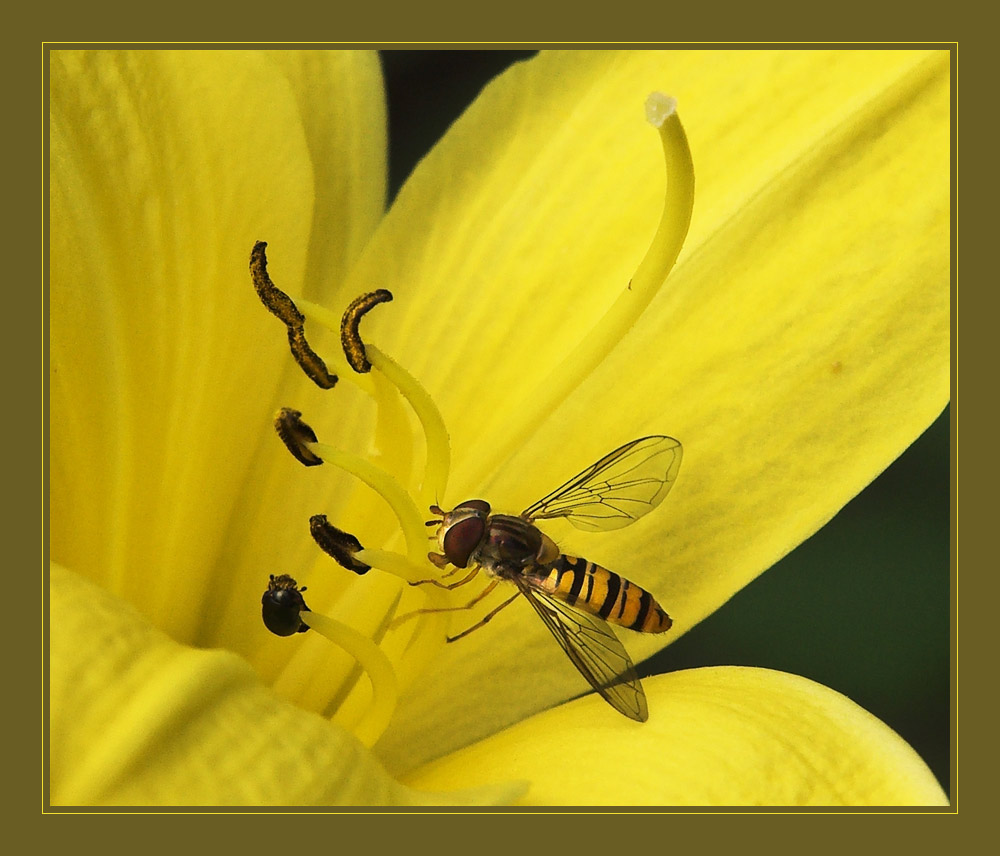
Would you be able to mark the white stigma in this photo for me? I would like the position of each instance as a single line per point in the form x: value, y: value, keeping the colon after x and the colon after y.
x: 659, y: 108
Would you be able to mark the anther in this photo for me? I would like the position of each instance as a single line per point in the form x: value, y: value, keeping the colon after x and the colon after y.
x: 295, y: 433
x: 277, y: 302
x: 283, y: 307
x: 309, y: 361
x: 340, y: 545
x: 350, y: 337
x: 281, y: 606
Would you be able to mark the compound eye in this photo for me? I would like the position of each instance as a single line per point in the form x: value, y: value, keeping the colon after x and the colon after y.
x: 476, y: 505
x: 462, y: 538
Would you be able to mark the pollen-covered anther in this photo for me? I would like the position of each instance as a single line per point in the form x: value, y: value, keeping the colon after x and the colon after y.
x: 309, y: 361
x: 282, y: 605
x: 283, y: 308
x: 336, y: 543
x: 274, y: 299
x: 350, y: 336
x: 295, y: 433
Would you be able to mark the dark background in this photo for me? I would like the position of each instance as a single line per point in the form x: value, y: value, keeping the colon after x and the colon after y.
x: 862, y: 606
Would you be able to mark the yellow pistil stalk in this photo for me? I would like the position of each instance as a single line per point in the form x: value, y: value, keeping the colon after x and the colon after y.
x: 596, y: 344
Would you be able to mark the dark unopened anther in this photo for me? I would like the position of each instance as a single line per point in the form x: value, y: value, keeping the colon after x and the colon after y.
x: 282, y: 605
x: 294, y: 433
x: 338, y: 544
x: 283, y: 307
x: 350, y: 337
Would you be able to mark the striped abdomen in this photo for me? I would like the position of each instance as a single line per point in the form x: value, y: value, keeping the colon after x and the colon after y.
x: 598, y: 591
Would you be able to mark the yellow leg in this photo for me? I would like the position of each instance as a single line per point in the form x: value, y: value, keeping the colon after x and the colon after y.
x: 400, y: 619
x: 485, y: 620
x: 468, y: 578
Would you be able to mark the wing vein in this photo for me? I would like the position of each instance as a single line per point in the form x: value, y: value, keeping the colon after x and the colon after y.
x: 618, y: 489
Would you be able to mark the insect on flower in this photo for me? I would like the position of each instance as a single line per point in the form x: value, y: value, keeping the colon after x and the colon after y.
x: 574, y: 597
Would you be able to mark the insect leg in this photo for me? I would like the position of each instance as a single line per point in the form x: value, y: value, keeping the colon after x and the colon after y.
x: 485, y: 618
x: 399, y: 620
x: 466, y: 579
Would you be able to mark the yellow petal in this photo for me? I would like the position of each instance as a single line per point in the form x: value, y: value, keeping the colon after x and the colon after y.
x: 725, y: 736
x: 342, y: 108
x: 799, y: 346
x: 167, y: 166
x: 810, y: 337
x: 139, y: 720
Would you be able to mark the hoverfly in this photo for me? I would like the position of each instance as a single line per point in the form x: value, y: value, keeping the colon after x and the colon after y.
x: 574, y: 597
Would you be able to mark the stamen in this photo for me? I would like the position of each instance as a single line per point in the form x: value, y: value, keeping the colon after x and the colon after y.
x: 281, y: 606
x: 309, y: 361
x: 410, y: 519
x: 378, y: 667
x: 350, y: 336
x: 595, y: 344
x: 392, y: 449
x: 338, y: 544
x: 283, y: 307
x: 277, y: 302
x: 392, y: 563
x: 295, y: 433
x: 438, y: 462
x: 388, y: 561
x: 369, y: 656
x: 423, y: 644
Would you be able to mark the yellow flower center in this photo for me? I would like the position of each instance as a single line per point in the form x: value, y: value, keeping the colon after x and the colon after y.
x: 287, y: 607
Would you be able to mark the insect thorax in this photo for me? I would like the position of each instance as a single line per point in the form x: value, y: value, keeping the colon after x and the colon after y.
x: 511, y: 545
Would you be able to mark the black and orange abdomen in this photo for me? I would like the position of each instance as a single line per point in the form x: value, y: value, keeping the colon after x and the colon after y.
x: 598, y: 591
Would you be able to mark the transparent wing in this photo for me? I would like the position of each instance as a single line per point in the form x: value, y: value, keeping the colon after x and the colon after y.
x: 593, y: 648
x: 617, y: 490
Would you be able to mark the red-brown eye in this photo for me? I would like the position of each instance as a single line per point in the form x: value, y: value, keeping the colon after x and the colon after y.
x: 462, y: 538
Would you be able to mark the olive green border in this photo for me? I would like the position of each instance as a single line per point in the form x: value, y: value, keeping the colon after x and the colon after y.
x: 629, y: 22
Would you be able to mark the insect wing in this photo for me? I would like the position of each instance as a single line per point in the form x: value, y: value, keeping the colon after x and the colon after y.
x: 616, y: 490
x: 595, y: 650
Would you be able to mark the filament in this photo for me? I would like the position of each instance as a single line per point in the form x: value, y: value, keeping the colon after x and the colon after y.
x: 410, y: 519
x: 376, y: 665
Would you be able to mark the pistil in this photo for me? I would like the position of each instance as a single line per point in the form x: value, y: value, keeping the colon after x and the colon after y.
x: 597, y: 343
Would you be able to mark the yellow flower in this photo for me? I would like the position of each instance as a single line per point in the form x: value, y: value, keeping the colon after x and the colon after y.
x: 799, y: 345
